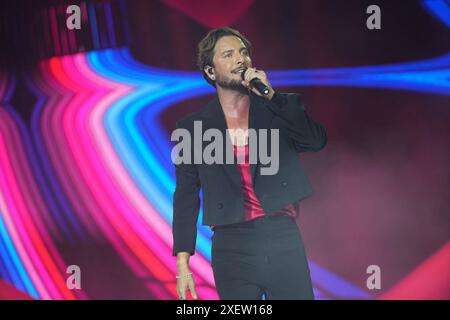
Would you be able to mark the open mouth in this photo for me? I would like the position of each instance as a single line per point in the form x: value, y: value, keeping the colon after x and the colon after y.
x: 239, y: 70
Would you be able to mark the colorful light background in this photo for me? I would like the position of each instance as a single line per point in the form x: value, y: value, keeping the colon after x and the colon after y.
x: 86, y: 177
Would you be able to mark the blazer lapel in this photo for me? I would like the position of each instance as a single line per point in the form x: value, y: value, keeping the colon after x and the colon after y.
x: 213, y: 117
x: 259, y: 118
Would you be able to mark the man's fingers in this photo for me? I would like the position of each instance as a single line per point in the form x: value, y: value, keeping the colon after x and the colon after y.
x: 246, y: 84
x: 192, y: 289
x: 249, y: 74
x: 248, y: 77
x: 182, y: 291
x: 252, y: 73
x: 182, y: 295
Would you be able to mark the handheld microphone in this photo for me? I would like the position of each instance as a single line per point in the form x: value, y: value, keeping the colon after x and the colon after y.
x: 257, y: 84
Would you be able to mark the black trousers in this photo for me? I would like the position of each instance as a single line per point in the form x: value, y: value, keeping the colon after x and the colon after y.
x: 262, y: 256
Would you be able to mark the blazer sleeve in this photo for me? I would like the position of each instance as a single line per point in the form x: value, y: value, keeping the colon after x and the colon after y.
x: 186, y: 205
x: 305, y: 133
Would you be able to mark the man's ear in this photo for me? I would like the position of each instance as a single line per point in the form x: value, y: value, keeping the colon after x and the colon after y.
x: 210, y: 72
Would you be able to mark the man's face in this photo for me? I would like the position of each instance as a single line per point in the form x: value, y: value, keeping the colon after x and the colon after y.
x: 231, y: 58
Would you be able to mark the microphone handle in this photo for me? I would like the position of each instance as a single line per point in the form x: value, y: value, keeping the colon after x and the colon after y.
x: 260, y: 86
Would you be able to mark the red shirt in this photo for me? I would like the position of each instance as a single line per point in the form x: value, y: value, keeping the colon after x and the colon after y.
x: 252, y: 205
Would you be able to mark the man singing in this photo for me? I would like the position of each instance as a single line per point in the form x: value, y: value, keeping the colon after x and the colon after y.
x: 257, y: 248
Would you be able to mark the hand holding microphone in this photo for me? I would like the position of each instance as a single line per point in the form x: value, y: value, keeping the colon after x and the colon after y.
x: 257, y: 81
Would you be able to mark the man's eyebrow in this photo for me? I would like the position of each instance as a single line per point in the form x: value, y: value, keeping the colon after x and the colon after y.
x: 231, y: 50
x: 226, y: 51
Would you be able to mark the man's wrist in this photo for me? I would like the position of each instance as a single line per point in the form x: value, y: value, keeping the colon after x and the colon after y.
x: 183, y: 258
x: 271, y: 93
x: 182, y: 262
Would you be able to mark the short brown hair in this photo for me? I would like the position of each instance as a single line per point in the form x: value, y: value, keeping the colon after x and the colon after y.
x: 206, y: 48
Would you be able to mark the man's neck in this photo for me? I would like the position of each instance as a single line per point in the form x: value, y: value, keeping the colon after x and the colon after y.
x: 234, y: 103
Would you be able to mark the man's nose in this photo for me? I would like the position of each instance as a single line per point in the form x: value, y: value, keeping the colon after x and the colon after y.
x: 239, y: 59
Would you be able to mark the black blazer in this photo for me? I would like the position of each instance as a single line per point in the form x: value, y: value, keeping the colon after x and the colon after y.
x: 223, y: 199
